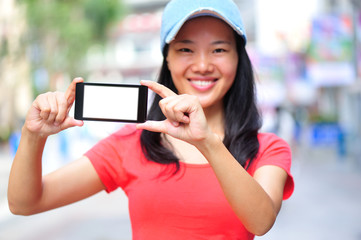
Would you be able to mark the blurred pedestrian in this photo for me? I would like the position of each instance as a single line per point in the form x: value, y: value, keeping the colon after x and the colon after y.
x: 198, y: 169
x: 285, y: 124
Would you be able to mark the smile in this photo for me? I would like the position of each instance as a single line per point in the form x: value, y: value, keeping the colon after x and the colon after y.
x: 203, y: 84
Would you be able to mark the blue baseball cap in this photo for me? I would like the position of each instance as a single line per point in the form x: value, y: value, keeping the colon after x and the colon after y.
x: 177, y: 12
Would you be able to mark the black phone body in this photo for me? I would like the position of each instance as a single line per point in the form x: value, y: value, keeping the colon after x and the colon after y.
x: 111, y: 102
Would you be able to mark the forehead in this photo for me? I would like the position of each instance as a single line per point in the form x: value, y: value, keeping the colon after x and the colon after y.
x: 205, y: 25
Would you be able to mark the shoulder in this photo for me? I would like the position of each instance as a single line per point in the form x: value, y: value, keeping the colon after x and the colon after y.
x: 273, y: 150
x: 270, y: 141
x: 270, y: 138
x: 114, y: 155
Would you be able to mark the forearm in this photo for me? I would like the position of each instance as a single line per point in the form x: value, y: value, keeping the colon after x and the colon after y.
x: 247, y: 198
x: 25, y: 181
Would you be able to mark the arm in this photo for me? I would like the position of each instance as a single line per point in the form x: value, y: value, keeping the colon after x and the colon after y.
x: 28, y: 191
x: 255, y: 200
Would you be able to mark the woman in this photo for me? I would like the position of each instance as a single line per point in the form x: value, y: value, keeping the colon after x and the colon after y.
x: 198, y: 169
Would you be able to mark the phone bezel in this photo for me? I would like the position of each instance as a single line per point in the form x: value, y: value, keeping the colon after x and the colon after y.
x: 142, y: 102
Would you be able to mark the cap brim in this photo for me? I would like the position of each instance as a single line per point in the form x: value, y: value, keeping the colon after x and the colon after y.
x: 199, y: 13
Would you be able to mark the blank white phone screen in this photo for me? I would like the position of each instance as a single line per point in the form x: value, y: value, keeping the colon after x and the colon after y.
x: 110, y: 102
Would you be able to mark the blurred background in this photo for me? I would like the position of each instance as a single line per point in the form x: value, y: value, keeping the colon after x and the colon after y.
x: 307, y: 60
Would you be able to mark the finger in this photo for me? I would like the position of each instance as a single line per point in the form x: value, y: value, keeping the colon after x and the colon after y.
x: 71, y: 122
x: 70, y: 92
x: 43, y: 106
x: 153, y: 126
x: 159, y: 89
x: 62, y: 108
x: 174, y: 110
x: 53, y: 107
x: 166, y: 105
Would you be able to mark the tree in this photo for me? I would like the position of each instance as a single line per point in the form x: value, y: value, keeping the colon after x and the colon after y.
x: 61, y: 31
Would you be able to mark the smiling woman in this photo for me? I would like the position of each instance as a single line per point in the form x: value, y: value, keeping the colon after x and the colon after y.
x: 203, y: 59
x: 198, y: 168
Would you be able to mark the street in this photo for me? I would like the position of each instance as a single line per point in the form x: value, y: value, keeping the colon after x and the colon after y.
x: 326, y: 204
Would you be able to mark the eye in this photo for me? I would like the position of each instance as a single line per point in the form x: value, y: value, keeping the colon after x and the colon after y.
x: 185, y: 50
x: 219, y: 50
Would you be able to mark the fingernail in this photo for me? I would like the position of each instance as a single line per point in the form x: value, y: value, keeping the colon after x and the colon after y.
x: 145, y: 81
x: 77, y: 79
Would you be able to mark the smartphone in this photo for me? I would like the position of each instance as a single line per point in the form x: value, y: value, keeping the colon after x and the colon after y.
x: 111, y: 102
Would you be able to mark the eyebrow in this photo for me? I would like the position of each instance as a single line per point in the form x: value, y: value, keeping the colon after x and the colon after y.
x: 186, y: 41
x: 221, y: 42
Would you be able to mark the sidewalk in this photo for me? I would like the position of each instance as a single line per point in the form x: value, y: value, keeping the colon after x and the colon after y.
x: 326, y: 204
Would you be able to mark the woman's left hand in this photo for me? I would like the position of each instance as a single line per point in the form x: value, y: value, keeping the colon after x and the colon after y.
x: 185, y: 119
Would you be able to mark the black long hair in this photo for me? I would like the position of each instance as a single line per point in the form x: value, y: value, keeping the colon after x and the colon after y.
x: 242, y: 119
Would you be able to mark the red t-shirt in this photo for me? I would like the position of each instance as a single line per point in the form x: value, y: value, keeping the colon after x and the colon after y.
x: 187, y: 205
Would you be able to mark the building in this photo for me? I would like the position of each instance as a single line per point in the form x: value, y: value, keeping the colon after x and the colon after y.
x: 15, y: 88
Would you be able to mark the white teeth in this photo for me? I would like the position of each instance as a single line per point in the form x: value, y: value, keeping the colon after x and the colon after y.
x: 202, y: 83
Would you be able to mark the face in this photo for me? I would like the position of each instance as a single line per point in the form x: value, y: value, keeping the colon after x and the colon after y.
x: 203, y: 59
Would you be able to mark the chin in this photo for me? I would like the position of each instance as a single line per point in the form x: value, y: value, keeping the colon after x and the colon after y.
x: 208, y: 104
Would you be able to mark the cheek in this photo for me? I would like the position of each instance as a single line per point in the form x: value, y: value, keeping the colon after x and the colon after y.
x: 228, y: 64
x: 177, y: 70
x: 176, y: 73
x: 230, y: 70
x: 229, y: 74
x: 173, y: 65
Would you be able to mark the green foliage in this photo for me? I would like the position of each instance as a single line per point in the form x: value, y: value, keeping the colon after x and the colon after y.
x: 61, y: 31
x: 323, y: 118
x: 101, y: 12
x: 3, y: 47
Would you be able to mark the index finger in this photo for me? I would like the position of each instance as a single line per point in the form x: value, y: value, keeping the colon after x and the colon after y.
x: 70, y: 92
x: 159, y: 89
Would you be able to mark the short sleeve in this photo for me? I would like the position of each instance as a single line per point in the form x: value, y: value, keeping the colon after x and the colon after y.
x: 276, y: 152
x: 107, y: 157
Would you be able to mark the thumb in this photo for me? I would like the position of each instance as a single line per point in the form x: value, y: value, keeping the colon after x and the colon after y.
x: 153, y: 126
x: 71, y: 122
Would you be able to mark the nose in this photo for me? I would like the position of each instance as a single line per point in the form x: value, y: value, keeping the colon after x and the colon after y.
x: 202, y: 64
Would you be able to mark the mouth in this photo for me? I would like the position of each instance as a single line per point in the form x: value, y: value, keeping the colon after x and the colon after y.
x: 203, y: 83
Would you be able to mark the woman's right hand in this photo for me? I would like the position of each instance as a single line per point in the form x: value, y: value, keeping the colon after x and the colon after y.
x: 49, y: 113
x: 30, y: 192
